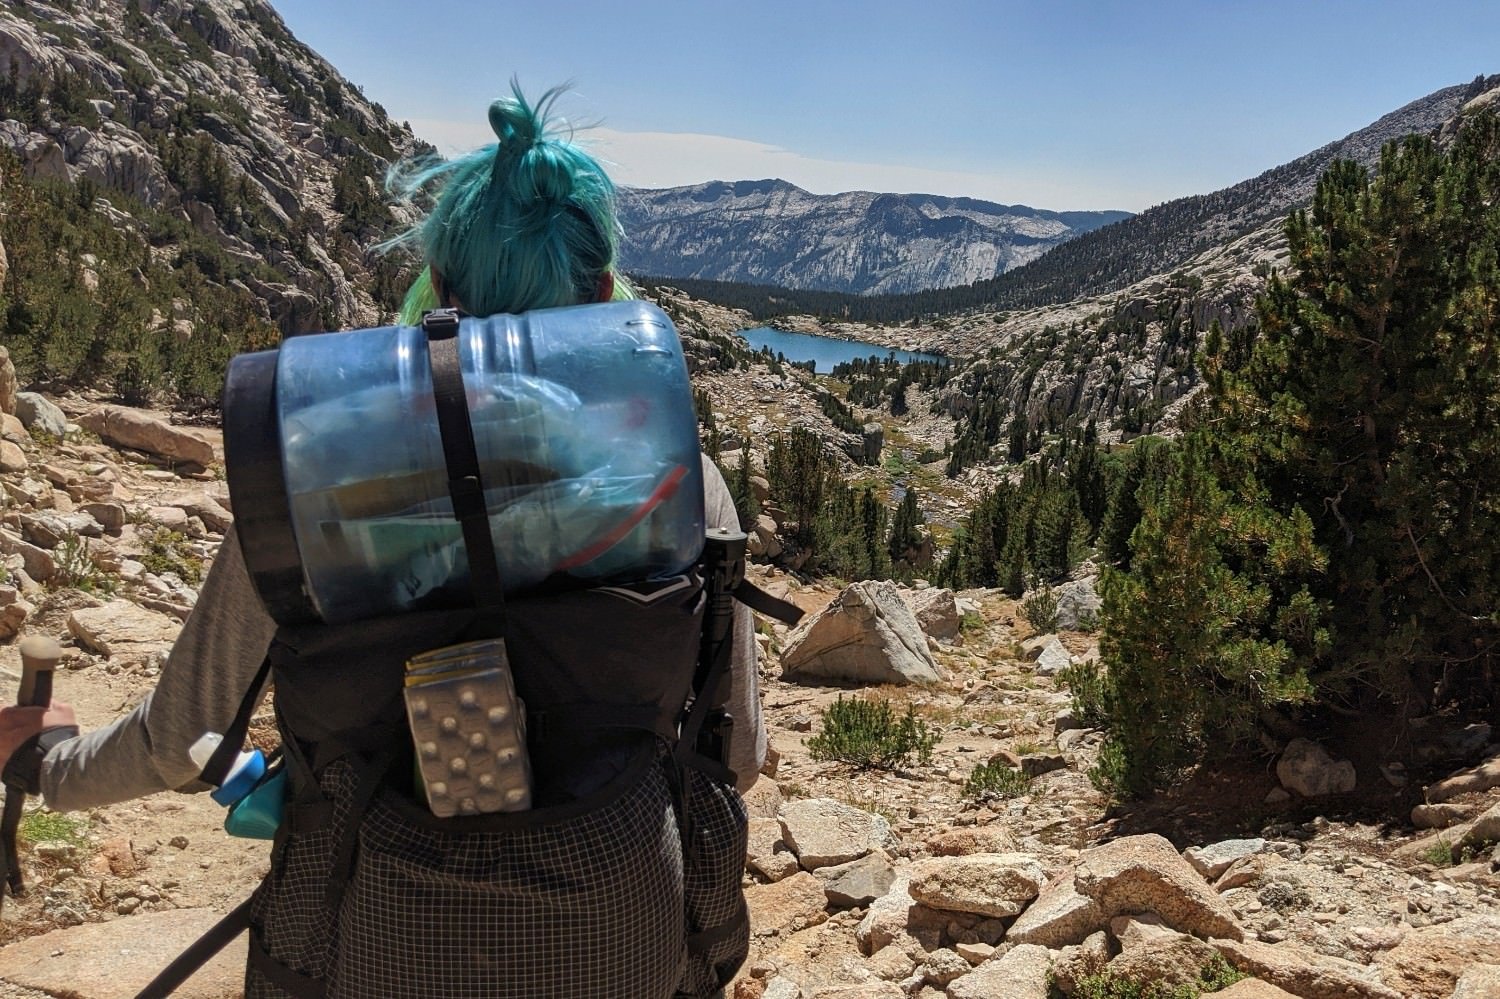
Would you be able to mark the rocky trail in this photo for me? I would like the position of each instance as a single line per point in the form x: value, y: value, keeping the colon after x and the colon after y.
x: 1304, y: 872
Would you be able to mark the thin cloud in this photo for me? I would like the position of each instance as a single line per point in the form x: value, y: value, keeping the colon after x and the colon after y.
x: 677, y: 159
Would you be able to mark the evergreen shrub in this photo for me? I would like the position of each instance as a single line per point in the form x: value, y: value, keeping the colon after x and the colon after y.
x: 869, y: 733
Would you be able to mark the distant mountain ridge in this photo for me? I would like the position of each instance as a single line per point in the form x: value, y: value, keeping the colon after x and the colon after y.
x: 860, y: 242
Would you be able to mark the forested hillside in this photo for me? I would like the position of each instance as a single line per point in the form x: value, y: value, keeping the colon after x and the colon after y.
x: 179, y: 181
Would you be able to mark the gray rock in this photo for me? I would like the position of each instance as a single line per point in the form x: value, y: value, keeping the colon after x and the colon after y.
x: 943, y: 966
x: 133, y: 428
x: 1078, y: 604
x: 897, y: 919
x: 1060, y: 916
x: 8, y: 391
x: 1022, y: 972
x: 1054, y: 658
x: 867, y: 634
x: 48, y: 529
x: 72, y: 961
x: 936, y: 611
x: 998, y: 884
x: 1306, y: 769
x: 1146, y: 874
x: 38, y: 413
x: 824, y: 833
x: 859, y: 882
x: 38, y: 562
x: 121, y: 628
x: 1213, y: 860
x: 1073, y: 738
x: 1479, y: 981
x: 1042, y: 763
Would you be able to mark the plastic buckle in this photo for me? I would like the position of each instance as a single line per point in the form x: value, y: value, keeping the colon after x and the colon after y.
x: 440, y: 324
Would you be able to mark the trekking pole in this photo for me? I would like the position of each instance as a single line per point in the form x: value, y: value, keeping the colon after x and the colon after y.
x: 39, y: 656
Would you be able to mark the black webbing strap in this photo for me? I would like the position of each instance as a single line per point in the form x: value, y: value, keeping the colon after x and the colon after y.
x: 755, y: 598
x: 459, y: 453
x: 223, y: 758
x: 196, y: 956
x: 369, y: 777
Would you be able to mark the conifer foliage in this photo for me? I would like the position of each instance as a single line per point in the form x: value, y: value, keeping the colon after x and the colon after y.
x: 1327, y: 530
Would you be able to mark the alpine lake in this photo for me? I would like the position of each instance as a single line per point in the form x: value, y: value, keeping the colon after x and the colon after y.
x: 824, y: 351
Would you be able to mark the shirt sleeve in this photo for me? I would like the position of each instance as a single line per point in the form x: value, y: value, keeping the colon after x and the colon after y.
x: 747, y: 747
x: 206, y: 675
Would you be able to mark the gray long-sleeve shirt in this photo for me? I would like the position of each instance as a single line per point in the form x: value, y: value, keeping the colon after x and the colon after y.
x: 214, y: 661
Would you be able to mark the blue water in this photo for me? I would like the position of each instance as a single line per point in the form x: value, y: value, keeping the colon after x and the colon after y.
x: 823, y: 351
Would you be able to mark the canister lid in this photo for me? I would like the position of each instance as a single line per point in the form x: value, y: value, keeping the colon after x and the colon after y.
x: 257, y: 488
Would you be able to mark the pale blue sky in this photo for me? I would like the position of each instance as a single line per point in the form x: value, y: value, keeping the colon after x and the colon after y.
x: 1061, y: 104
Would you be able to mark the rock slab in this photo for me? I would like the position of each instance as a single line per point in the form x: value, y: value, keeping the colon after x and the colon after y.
x: 866, y: 634
x: 1146, y: 874
x: 824, y: 833
x: 115, y: 960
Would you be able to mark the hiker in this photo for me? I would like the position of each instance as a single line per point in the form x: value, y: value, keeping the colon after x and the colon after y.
x: 524, y: 224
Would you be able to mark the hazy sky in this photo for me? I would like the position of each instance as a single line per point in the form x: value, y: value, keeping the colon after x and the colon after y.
x: 1060, y: 104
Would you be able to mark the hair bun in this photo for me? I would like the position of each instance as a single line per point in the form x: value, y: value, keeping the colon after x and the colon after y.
x: 515, y: 124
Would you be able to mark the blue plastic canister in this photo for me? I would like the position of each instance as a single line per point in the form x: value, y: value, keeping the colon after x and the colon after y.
x: 585, y: 431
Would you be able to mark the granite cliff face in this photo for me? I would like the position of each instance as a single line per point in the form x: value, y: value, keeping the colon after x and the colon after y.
x: 771, y: 232
x: 211, y: 113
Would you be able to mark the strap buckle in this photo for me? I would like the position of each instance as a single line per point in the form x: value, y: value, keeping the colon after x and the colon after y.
x: 440, y: 324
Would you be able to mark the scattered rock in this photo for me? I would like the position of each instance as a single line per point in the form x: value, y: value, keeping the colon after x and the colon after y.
x: 1253, y: 988
x: 823, y: 832
x: 1078, y: 604
x: 859, y: 882
x: 1438, y: 816
x: 974, y: 839
x: 1153, y: 952
x: 1020, y: 973
x: 1060, y: 916
x: 1146, y: 874
x: 37, y: 413
x: 122, y: 628
x: 1053, y: 659
x: 1310, y: 976
x: 1479, y: 981
x: 984, y: 884
x: 787, y: 906
x: 1212, y: 861
x: 936, y: 611
x: 1482, y: 777
x: 1306, y: 769
x: 134, y: 428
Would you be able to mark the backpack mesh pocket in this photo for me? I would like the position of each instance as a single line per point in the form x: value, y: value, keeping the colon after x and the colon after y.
x: 586, y: 905
x: 718, y: 922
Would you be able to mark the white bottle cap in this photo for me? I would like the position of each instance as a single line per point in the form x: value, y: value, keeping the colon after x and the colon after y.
x: 202, y: 751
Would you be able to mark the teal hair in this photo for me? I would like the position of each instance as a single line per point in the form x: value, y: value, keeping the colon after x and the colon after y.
x: 526, y: 223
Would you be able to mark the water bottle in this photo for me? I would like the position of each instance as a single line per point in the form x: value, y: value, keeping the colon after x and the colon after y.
x: 584, y: 427
x: 254, y: 803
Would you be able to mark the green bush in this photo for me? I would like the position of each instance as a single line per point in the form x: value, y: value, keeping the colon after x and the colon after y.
x: 871, y: 734
x: 995, y: 781
x: 1217, y: 974
x: 1086, y: 684
x: 1040, y: 608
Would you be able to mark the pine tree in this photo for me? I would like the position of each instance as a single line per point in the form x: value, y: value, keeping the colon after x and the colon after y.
x: 1202, y: 633
x: 906, y: 534
x: 1374, y: 396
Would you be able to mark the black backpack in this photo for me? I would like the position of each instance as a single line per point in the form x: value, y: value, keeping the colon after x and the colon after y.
x: 625, y: 877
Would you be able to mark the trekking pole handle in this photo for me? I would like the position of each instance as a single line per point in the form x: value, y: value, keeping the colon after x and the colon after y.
x: 39, y: 656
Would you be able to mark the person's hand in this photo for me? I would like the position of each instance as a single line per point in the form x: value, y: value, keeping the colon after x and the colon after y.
x: 19, y: 724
